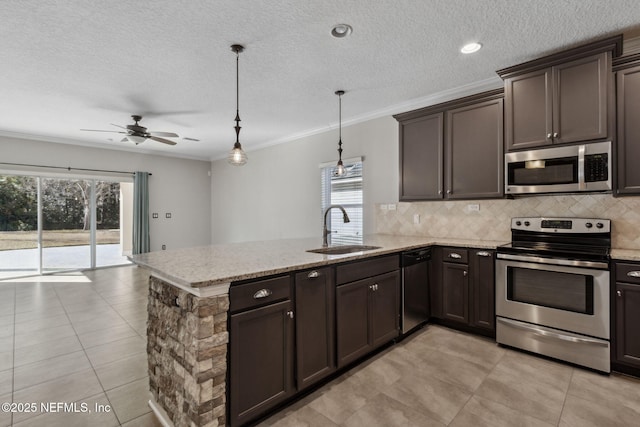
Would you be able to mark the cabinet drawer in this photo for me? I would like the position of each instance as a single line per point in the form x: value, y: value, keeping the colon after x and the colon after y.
x: 367, y: 268
x: 458, y: 255
x: 258, y: 293
x: 629, y: 273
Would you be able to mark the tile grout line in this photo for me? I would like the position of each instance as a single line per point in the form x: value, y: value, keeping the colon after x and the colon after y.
x: 566, y: 394
x: 85, y: 352
x: 13, y: 358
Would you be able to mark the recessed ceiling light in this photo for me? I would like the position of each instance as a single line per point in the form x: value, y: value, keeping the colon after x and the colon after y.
x: 471, y: 47
x: 341, y: 30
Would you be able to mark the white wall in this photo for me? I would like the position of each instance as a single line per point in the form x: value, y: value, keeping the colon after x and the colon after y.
x: 277, y: 193
x: 179, y: 186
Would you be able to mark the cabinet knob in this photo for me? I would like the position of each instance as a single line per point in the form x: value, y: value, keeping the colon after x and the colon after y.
x: 556, y: 134
x: 440, y: 192
x: 448, y: 191
x: 633, y: 274
x: 619, y: 293
x: 262, y: 293
x: 549, y: 136
x: 464, y: 273
x: 483, y: 253
x: 290, y: 314
x: 313, y: 274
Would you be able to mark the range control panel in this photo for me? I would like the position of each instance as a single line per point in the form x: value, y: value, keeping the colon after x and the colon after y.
x: 562, y: 225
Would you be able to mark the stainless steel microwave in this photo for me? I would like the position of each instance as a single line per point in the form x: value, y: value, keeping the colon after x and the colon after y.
x: 567, y: 169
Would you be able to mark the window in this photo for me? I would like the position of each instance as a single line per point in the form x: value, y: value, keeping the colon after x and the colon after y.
x: 345, y: 191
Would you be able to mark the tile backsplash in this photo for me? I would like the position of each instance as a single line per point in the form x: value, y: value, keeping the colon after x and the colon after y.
x: 454, y: 219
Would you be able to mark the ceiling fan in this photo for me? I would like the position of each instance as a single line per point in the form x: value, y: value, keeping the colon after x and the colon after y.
x: 138, y: 134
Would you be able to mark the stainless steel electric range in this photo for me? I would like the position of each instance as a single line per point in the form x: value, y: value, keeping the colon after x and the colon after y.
x: 552, y: 289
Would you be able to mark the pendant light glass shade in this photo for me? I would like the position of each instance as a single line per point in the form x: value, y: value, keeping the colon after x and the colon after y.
x: 237, y: 156
x: 340, y: 167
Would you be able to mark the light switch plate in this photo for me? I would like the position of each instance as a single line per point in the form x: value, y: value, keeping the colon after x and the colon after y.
x: 392, y: 206
x: 168, y: 215
x: 416, y: 218
x: 384, y: 207
x: 473, y: 208
x: 154, y: 215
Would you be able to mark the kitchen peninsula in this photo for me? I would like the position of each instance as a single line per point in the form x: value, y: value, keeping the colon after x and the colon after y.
x: 187, y: 333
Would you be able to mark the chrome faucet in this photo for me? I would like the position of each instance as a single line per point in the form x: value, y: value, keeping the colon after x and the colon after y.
x: 326, y: 232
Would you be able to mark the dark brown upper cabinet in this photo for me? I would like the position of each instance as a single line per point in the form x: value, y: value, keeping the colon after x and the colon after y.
x: 562, y: 98
x: 421, y: 154
x: 628, y: 103
x: 453, y: 150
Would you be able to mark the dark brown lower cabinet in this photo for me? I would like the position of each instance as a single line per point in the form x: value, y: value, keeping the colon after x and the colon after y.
x: 626, y: 306
x: 455, y: 287
x: 261, y: 360
x: 627, y: 321
x: 463, y: 288
x: 315, y: 325
x: 367, y: 315
x: 482, y: 266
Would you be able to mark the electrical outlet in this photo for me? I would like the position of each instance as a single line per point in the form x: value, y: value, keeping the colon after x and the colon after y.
x: 164, y: 247
x: 384, y: 207
x: 168, y: 215
x: 473, y: 208
x: 154, y: 215
x: 416, y: 218
x: 392, y: 206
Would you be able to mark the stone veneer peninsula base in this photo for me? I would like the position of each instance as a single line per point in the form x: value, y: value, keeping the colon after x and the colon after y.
x: 187, y: 341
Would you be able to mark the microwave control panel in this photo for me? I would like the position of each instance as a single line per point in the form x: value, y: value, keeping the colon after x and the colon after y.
x: 596, y: 167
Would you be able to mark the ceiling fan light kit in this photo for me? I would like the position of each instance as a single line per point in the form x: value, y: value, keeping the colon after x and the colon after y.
x: 138, y: 134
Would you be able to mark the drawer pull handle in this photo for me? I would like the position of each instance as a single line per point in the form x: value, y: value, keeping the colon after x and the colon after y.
x: 633, y: 274
x: 455, y: 255
x: 262, y: 293
x: 483, y: 253
x: 313, y: 274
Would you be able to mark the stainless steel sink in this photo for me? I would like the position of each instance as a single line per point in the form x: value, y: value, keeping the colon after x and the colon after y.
x: 345, y: 249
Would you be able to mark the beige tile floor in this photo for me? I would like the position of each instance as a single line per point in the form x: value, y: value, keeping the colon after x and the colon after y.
x: 77, y: 337
x: 81, y: 338
x: 441, y: 377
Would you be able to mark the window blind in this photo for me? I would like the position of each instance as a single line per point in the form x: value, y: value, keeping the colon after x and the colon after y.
x: 346, y: 191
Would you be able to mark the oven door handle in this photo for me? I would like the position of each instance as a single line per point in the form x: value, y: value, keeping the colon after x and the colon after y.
x: 549, y: 334
x: 554, y: 261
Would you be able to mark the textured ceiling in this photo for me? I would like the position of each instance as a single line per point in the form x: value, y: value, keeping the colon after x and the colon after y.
x: 72, y: 64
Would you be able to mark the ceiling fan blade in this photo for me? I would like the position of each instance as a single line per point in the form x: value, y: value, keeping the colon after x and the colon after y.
x: 100, y: 130
x: 169, y: 134
x: 164, y: 141
x: 191, y: 139
x: 118, y: 126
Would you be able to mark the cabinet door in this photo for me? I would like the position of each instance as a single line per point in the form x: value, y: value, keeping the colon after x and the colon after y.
x: 261, y: 360
x: 528, y: 109
x: 627, y: 321
x: 455, y: 289
x: 385, y: 308
x: 483, y: 289
x: 421, y: 154
x: 580, y: 99
x: 315, y: 330
x: 628, y: 88
x: 474, y: 151
x: 352, y: 321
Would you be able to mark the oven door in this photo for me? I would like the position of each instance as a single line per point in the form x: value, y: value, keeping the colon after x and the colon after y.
x: 537, y: 290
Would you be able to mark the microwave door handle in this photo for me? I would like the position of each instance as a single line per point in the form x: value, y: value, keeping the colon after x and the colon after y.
x: 581, y: 182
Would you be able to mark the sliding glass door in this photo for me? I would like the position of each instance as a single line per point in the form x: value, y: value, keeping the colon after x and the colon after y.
x: 66, y: 224
x: 58, y: 224
x: 18, y: 226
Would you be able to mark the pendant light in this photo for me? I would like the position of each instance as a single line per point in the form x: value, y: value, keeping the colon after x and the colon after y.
x: 237, y: 156
x: 340, y: 167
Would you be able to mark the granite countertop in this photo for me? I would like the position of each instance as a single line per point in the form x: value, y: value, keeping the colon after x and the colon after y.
x: 625, y: 254
x: 205, y: 266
